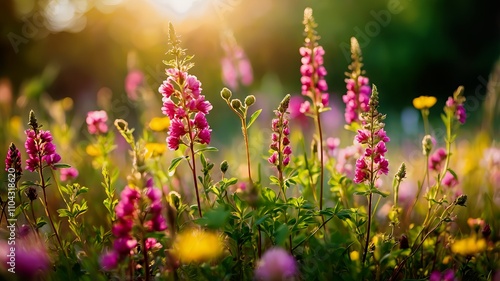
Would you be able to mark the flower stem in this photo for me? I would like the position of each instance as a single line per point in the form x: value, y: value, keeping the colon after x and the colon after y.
x: 370, y: 197
x: 146, y: 262
x: 191, y: 146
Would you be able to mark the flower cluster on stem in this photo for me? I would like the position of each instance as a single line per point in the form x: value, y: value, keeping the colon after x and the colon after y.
x: 39, y: 147
x: 373, y: 162
x: 184, y: 104
x: 13, y: 161
x: 358, y: 90
x: 314, y: 85
x: 280, y: 144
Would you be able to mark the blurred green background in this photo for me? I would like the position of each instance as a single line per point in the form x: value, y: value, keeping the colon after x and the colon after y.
x: 80, y: 48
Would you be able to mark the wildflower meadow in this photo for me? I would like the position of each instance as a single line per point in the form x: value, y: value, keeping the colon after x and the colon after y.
x: 151, y: 195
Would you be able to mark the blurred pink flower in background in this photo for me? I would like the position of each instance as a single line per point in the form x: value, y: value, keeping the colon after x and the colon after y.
x: 134, y: 79
x: 96, y: 122
x: 31, y: 257
x: 236, y: 67
x: 275, y: 265
x: 68, y: 174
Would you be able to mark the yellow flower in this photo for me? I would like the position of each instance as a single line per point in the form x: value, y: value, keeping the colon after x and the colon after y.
x: 155, y: 149
x: 468, y: 246
x: 159, y: 124
x: 354, y: 255
x: 92, y: 150
x: 197, y: 245
x: 424, y: 102
x: 446, y: 260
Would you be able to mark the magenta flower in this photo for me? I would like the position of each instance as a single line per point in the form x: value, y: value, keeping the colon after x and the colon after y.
x: 449, y: 180
x: 280, y: 142
x: 275, y: 265
x: 40, y: 149
x: 109, y: 260
x: 455, y: 105
x: 436, y: 159
x: 372, y: 163
x: 31, y: 257
x: 447, y: 275
x: 313, y: 76
x: 346, y: 159
x: 358, y: 89
x: 186, y: 109
x: 13, y: 161
x: 96, y: 122
x: 68, y: 174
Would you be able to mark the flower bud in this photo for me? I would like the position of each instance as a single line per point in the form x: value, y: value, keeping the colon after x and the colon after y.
x: 486, y: 231
x: 403, y: 242
x: 224, y: 166
x: 236, y: 104
x: 31, y: 193
x: 226, y: 93
x: 401, y: 174
x: 427, y: 145
x: 249, y: 100
x: 461, y: 200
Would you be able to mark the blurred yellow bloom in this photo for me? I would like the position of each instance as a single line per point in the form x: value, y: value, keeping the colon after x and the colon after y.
x: 196, y: 246
x: 15, y: 123
x: 468, y: 246
x: 424, y: 102
x: 446, y: 260
x: 159, y: 124
x: 155, y: 149
x: 92, y: 150
x: 354, y: 255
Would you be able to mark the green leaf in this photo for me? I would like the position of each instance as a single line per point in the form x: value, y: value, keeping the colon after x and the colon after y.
x: 253, y: 118
x: 206, y: 149
x: 64, y: 213
x: 61, y: 166
x: 40, y: 222
x: 175, y: 162
x: 214, y: 219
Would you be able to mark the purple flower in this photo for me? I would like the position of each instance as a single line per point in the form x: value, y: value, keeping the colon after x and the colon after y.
x: 31, y: 257
x: 313, y: 75
x: 96, y: 122
x: 275, y: 265
x: 13, y: 161
x: 40, y: 148
x: 455, y: 104
x: 109, y: 260
x: 447, y: 275
x: 68, y: 174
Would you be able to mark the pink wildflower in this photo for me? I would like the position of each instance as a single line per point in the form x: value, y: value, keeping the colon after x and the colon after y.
x: 276, y: 264
x: 96, y: 122
x: 68, y: 174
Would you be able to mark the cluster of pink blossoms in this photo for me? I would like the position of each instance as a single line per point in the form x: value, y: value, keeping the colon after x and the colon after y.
x: 313, y: 76
x: 40, y: 148
x: 280, y: 141
x: 13, y: 160
x: 180, y: 106
x: 372, y: 163
x: 356, y: 98
x: 375, y: 154
x: 436, y: 159
x: 96, y: 122
x: 127, y: 213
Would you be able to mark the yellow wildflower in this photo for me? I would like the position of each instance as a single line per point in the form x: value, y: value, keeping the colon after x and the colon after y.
x: 196, y: 246
x: 155, y: 149
x: 92, y: 150
x: 446, y: 260
x: 424, y: 102
x: 354, y: 255
x: 159, y: 124
x: 468, y: 246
